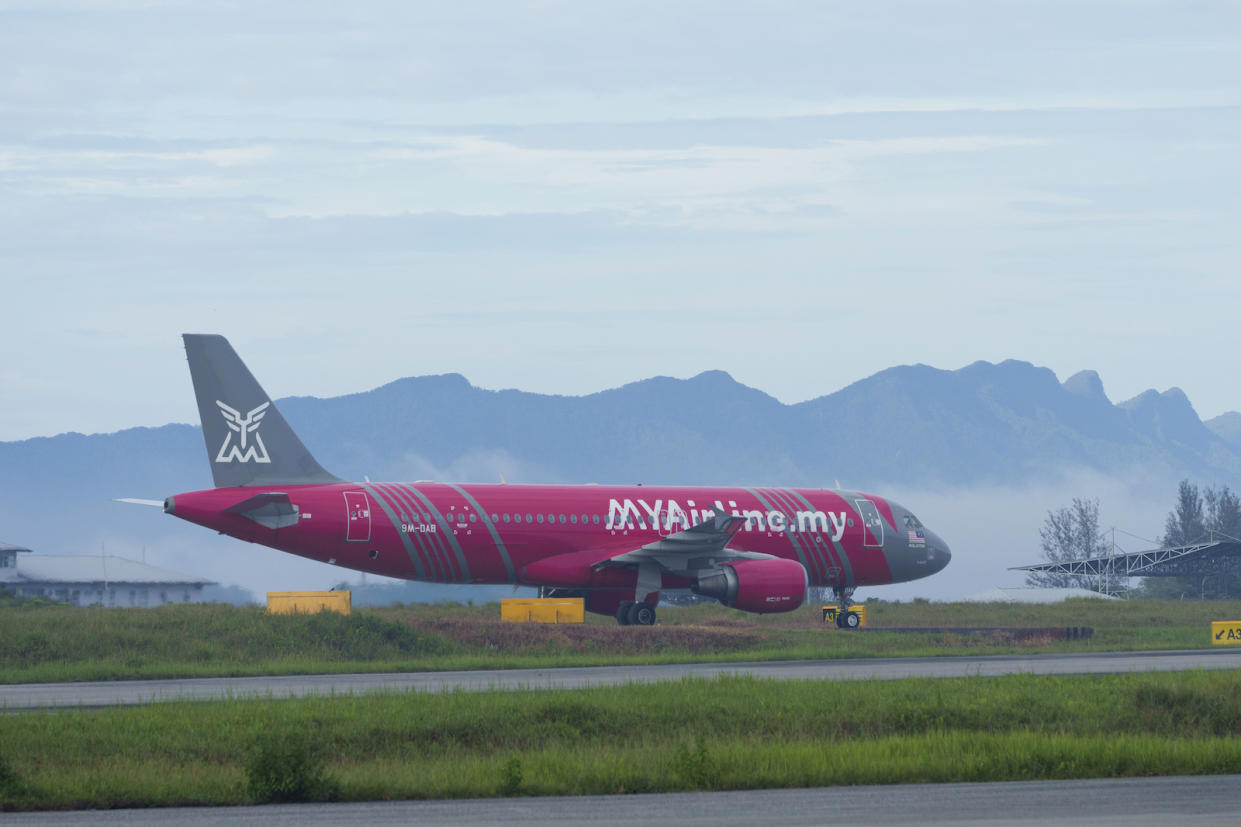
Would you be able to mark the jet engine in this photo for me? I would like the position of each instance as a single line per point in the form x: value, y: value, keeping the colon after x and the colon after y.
x: 761, y: 586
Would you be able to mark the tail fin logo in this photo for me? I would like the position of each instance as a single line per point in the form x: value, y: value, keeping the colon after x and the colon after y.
x: 248, y: 446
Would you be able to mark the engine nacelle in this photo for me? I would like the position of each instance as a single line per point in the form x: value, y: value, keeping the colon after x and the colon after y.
x: 761, y: 586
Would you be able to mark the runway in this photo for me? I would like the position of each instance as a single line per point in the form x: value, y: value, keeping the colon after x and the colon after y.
x: 1182, y: 800
x: 14, y: 697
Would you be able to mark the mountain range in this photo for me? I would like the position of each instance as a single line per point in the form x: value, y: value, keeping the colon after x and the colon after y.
x: 914, y: 426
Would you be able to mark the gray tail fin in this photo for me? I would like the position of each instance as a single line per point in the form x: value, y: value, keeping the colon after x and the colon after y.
x: 248, y: 441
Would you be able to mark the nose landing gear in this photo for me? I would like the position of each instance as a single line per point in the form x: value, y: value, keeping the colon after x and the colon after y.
x: 845, y: 619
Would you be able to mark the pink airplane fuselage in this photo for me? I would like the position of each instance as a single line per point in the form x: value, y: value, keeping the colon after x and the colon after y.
x: 474, y: 533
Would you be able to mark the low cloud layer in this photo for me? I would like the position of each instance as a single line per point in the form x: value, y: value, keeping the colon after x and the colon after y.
x: 993, y: 528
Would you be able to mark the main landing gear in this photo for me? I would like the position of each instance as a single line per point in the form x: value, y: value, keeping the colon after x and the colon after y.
x: 635, y: 614
x: 845, y: 619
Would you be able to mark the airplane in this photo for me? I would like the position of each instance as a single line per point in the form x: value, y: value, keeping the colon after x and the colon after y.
x: 756, y: 549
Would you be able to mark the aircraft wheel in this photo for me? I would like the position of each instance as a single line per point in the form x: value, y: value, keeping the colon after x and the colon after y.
x: 850, y: 620
x: 622, y: 613
x: 642, y: 614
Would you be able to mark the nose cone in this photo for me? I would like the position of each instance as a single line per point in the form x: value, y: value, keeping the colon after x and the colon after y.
x: 921, y: 555
x: 937, y: 553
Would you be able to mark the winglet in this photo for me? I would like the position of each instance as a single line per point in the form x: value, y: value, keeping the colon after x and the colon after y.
x: 728, y: 524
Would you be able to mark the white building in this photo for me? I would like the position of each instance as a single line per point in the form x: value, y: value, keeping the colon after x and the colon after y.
x: 89, y: 580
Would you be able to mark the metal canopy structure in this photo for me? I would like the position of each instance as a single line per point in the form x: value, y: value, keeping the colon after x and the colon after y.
x: 1204, y: 559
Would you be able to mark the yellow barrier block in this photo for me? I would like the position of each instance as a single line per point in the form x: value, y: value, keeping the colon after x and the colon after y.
x: 309, y: 602
x: 829, y: 613
x: 1226, y: 632
x: 543, y: 610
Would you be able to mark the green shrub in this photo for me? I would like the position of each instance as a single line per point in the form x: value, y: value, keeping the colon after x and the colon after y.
x: 285, y: 768
x: 694, y: 766
x: 10, y: 781
x: 511, y: 777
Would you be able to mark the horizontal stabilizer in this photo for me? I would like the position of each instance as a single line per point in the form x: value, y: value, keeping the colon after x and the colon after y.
x: 271, y: 510
x: 136, y: 501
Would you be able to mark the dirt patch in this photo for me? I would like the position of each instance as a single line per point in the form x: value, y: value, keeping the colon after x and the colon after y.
x: 548, y: 638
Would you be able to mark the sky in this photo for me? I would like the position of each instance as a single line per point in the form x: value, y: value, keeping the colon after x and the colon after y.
x: 564, y: 197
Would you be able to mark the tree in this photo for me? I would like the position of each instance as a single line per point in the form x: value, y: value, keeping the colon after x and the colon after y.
x: 1223, y: 514
x: 1199, y: 516
x: 1070, y: 533
x: 1187, y: 522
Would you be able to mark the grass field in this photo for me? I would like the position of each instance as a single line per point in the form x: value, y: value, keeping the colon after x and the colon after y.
x: 731, y: 733
x: 57, y: 643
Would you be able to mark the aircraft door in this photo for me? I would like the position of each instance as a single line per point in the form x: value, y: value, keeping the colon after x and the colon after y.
x: 358, y: 516
x: 872, y: 524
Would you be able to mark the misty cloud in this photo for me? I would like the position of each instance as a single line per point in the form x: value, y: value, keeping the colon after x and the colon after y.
x: 990, y: 528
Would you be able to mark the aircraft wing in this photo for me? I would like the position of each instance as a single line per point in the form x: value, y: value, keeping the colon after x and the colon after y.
x: 698, y: 548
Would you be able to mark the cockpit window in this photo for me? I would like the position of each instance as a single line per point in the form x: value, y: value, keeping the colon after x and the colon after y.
x: 912, y: 522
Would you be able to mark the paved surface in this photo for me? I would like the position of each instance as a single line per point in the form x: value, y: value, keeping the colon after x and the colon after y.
x: 1135, y: 801
x: 115, y: 693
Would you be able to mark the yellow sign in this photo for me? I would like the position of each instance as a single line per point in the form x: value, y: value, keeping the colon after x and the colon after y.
x: 543, y: 610
x: 829, y: 613
x: 309, y: 602
x: 1226, y: 632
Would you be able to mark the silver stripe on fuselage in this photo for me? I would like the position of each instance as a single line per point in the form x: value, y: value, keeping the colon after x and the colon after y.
x: 801, y: 554
x: 495, y: 535
x: 405, y: 541
x: 436, y: 550
x: 835, y: 561
x: 439, y: 518
x: 814, y: 552
x: 841, y: 554
x: 438, y: 563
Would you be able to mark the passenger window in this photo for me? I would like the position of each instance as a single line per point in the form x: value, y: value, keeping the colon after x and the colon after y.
x: 562, y: 519
x: 551, y: 518
x: 540, y: 518
x: 573, y: 519
x: 473, y: 517
x: 595, y: 519
x: 530, y: 519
